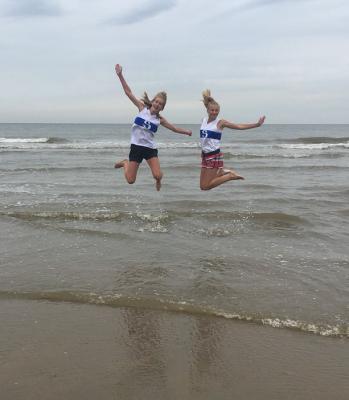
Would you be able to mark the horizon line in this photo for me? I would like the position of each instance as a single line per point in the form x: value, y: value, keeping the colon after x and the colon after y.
x: 179, y: 123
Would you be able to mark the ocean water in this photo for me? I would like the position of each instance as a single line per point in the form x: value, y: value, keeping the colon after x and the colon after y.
x: 272, y: 249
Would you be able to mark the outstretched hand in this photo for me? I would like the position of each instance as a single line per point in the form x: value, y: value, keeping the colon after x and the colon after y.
x: 118, y: 69
x: 261, y: 120
x: 188, y: 132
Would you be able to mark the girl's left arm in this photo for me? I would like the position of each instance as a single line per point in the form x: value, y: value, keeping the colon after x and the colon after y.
x: 174, y: 128
x: 226, y: 124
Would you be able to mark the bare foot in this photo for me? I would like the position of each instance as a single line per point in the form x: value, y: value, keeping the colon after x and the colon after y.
x: 120, y: 164
x: 158, y: 184
x: 235, y: 176
x: 232, y: 173
x: 223, y: 171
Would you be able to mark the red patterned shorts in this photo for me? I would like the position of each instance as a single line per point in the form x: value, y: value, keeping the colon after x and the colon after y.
x: 212, y: 160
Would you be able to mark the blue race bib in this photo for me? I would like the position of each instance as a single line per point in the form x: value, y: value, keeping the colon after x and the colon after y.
x: 210, y: 134
x: 146, y: 124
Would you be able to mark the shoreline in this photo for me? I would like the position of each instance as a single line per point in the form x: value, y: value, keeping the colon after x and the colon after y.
x: 179, y: 307
x: 82, y: 351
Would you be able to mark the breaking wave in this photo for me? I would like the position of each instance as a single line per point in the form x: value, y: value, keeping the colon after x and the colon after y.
x: 104, y: 215
x: 214, y: 224
x: 187, y: 307
x: 64, y: 144
x: 313, y: 146
x: 317, y: 140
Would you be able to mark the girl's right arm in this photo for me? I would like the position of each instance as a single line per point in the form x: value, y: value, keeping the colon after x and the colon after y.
x: 127, y: 90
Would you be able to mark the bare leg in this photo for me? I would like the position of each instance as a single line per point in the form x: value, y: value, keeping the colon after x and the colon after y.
x: 210, y: 178
x: 223, y: 171
x: 120, y: 164
x: 154, y: 165
x: 130, y: 169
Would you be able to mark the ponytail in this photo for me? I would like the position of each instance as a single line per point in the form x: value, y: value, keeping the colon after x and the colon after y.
x: 207, y: 99
x: 146, y: 100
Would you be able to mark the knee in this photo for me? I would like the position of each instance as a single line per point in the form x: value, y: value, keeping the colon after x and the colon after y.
x: 130, y: 180
x: 204, y: 187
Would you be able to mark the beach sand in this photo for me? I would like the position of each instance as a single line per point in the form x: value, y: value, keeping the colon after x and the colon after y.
x: 68, y: 351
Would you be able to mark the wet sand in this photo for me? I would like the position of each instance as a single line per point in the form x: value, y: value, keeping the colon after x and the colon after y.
x: 78, y: 351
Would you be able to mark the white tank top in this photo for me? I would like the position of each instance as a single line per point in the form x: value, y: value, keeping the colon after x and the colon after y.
x: 143, y: 129
x: 210, y: 136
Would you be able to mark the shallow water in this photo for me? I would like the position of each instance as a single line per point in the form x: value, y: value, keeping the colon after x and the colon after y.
x: 271, y: 249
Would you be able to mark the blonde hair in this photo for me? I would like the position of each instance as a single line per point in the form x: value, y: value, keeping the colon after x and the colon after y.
x: 148, y: 102
x: 207, y: 99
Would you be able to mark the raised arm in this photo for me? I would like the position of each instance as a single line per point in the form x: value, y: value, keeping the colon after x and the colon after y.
x: 226, y: 124
x: 174, y: 128
x: 127, y: 90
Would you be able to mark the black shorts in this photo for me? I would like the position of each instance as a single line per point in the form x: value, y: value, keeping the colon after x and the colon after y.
x: 138, y: 153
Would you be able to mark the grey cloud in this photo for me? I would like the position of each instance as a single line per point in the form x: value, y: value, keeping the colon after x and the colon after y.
x: 147, y: 10
x: 251, y: 5
x: 261, y: 3
x: 33, y: 8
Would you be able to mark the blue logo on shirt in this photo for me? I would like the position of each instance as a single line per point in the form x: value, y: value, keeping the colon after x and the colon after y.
x: 205, y: 134
x: 146, y: 124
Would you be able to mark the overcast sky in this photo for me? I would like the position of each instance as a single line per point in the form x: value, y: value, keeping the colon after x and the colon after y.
x: 287, y: 59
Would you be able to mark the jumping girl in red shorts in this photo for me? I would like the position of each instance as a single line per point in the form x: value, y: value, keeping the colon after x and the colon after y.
x: 212, y: 172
